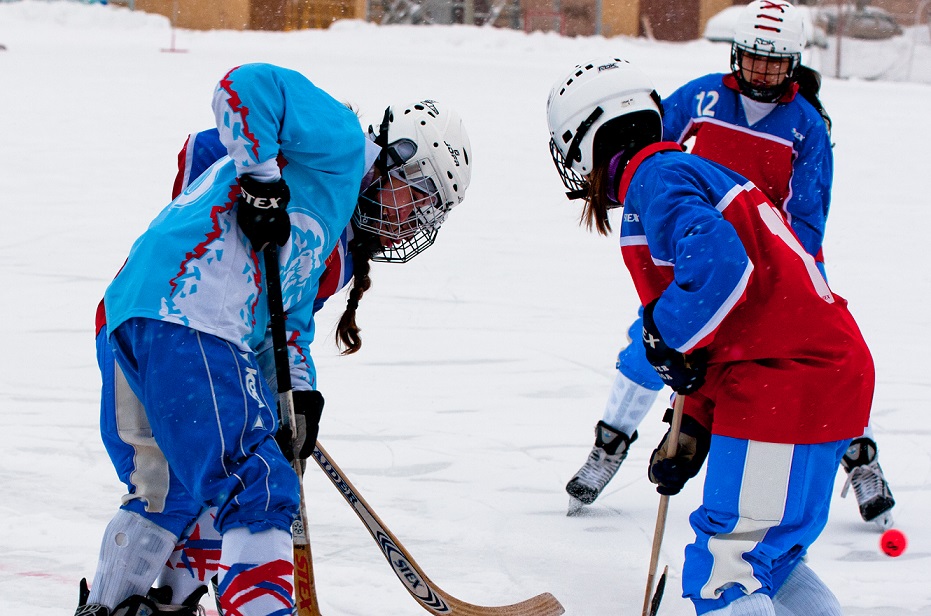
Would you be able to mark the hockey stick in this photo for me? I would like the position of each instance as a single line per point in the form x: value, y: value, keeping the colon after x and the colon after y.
x: 305, y: 591
x: 430, y: 596
x: 650, y: 607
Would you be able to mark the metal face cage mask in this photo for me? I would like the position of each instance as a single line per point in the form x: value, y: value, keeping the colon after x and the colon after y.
x: 752, y: 81
x: 774, y: 33
x: 405, y: 205
x: 577, y: 186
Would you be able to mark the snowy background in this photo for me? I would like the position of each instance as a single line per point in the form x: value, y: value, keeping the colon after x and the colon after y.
x: 486, y: 362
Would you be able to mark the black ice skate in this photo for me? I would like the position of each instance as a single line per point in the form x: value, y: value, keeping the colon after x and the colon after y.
x: 137, y: 605
x: 605, y: 458
x: 155, y: 603
x: 866, y: 476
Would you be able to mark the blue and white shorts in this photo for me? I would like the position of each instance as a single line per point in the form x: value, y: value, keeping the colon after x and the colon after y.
x: 764, y: 504
x: 186, y: 419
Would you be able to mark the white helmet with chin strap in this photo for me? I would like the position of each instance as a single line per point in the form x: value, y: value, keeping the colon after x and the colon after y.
x: 425, y: 146
x: 599, y: 109
x: 771, y: 29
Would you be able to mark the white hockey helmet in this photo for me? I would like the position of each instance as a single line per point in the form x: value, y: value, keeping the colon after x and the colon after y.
x: 425, y: 145
x: 597, y: 110
x: 772, y: 29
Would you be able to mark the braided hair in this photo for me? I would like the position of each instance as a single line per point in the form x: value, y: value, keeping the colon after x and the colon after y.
x: 362, y: 247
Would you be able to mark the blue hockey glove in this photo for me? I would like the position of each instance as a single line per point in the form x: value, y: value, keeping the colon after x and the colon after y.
x: 670, y: 474
x: 684, y: 373
x: 262, y: 212
x: 308, y: 408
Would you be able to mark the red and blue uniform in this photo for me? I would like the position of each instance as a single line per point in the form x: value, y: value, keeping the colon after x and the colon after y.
x: 790, y: 378
x: 731, y: 277
x: 782, y: 147
x: 786, y: 153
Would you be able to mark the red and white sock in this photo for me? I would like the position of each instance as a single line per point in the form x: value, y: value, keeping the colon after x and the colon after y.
x: 257, y: 573
x: 195, y: 558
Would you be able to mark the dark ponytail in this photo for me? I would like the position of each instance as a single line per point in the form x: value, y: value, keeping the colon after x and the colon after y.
x: 617, y: 141
x: 595, y: 212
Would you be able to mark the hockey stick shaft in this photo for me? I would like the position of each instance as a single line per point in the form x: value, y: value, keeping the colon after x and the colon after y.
x: 650, y: 603
x: 431, y: 598
x: 305, y: 591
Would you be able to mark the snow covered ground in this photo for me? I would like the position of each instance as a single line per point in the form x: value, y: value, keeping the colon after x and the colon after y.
x: 486, y: 361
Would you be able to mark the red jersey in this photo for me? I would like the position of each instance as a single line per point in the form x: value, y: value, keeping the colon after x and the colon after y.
x: 787, y: 361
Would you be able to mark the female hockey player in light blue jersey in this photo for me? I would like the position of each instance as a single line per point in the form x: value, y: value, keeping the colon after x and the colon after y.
x: 759, y: 121
x: 187, y: 415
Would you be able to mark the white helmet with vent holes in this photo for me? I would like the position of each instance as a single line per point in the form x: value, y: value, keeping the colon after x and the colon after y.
x: 597, y: 110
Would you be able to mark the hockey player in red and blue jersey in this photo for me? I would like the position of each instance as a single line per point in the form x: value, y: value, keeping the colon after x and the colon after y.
x: 185, y: 412
x: 738, y: 318
x: 764, y: 121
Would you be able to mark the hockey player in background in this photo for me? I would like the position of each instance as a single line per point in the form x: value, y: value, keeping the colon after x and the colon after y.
x: 186, y: 415
x: 738, y: 317
x: 763, y: 120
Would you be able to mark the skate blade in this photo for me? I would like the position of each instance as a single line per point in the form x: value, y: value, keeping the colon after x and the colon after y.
x: 884, y: 521
x: 575, y: 506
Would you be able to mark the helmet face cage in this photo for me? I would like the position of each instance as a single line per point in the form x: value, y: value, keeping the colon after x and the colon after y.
x: 406, y: 206
x: 424, y: 169
x: 755, y: 77
x: 576, y: 185
x: 408, y: 249
x: 768, y: 41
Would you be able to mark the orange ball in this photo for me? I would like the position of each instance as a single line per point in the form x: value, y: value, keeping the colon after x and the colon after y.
x: 893, y: 542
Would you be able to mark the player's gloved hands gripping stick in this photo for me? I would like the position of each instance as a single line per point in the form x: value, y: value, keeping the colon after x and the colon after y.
x: 671, y: 474
x: 262, y: 212
x: 308, y: 408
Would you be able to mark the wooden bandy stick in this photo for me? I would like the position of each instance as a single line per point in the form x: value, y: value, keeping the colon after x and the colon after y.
x: 429, y: 595
x: 305, y: 590
x: 672, y: 446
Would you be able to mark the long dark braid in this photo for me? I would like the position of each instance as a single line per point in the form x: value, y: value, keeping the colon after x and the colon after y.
x: 363, y: 246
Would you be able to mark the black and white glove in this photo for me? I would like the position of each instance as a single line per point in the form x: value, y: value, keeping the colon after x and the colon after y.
x: 670, y: 474
x: 684, y: 373
x: 262, y: 212
x: 308, y: 407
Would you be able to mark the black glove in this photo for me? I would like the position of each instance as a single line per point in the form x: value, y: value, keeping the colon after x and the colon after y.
x: 262, y: 212
x: 670, y: 474
x: 308, y: 407
x: 684, y: 373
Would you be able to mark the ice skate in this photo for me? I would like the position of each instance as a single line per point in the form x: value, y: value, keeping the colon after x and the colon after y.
x: 157, y: 602
x: 605, y: 458
x: 137, y: 605
x: 575, y: 506
x: 869, y: 484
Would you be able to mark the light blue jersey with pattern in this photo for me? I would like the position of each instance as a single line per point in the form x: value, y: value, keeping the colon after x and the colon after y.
x: 194, y: 266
